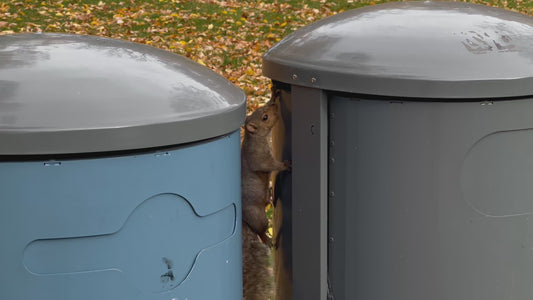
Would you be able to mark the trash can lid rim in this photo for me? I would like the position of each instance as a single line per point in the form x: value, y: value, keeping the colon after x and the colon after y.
x: 67, y: 94
x: 411, y: 49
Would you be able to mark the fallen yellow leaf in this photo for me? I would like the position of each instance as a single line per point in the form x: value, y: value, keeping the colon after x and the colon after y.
x: 249, y: 71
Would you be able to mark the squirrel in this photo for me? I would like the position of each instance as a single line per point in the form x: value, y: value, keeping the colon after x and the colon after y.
x: 257, y: 163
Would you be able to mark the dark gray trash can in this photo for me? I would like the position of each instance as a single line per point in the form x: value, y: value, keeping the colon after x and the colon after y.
x: 119, y: 173
x: 410, y: 130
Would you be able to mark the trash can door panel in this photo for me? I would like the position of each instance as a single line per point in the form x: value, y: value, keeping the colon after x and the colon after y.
x: 402, y: 224
x: 496, y: 176
x: 154, y: 229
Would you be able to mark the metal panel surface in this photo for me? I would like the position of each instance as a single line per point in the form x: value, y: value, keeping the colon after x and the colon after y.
x: 309, y: 193
x: 431, y: 200
x: 149, y: 226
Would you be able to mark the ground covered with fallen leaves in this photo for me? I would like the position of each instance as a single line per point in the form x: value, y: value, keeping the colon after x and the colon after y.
x: 229, y: 37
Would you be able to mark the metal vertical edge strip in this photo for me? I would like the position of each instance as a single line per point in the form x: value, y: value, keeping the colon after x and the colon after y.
x: 331, y: 195
x: 310, y: 162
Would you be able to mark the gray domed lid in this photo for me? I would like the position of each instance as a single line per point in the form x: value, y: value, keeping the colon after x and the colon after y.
x: 413, y: 49
x: 83, y: 94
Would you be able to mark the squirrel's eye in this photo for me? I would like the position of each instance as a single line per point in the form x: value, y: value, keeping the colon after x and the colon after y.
x: 265, y: 117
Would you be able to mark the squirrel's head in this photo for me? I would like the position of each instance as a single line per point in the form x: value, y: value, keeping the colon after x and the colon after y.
x: 261, y: 121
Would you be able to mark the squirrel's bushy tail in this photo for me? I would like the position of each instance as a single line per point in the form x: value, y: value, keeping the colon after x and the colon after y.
x: 257, y: 275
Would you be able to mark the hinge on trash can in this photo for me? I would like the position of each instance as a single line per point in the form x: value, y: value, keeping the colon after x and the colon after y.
x: 52, y: 163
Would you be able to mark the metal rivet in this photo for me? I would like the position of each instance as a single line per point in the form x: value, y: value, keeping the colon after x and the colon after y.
x: 294, y: 76
x: 313, y: 80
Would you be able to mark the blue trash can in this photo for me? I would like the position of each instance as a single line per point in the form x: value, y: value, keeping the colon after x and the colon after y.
x: 119, y: 172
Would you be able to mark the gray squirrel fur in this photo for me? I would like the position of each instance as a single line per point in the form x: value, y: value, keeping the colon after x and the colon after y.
x: 257, y: 278
x: 257, y: 163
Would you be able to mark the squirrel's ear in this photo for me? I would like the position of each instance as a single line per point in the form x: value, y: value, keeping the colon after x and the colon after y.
x: 251, y: 127
x: 276, y: 93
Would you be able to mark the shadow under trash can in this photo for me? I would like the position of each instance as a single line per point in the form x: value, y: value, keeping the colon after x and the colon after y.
x: 410, y: 131
x: 119, y: 172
